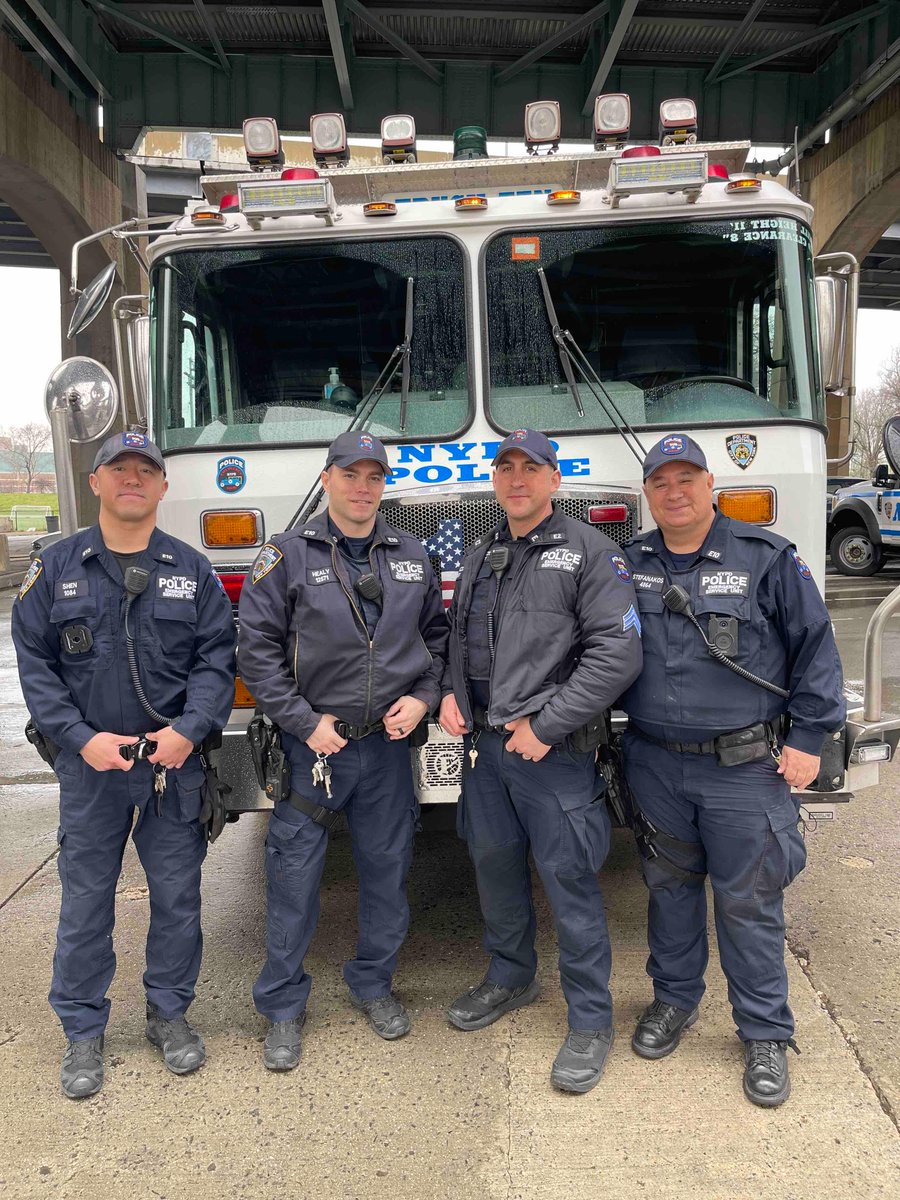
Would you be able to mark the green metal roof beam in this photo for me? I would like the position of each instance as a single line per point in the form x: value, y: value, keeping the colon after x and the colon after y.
x: 338, y: 51
x: 735, y: 40
x: 824, y: 31
x: 574, y: 26
x: 117, y: 11
x: 66, y: 46
x: 394, y: 39
x: 207, y: 20
x: 616, y: 37
x: 60, y: 68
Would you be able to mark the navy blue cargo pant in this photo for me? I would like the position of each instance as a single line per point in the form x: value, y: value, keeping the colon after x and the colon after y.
x: 96, y: 818
x: 554, y: 808
x: 739, y: 826
x: 372, y: 782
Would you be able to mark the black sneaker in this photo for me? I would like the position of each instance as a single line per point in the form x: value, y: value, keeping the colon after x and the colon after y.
x: 486, y: 1003
x: 766, y: 1078
x: 659, y: 1029
x: 282, y: 1047
x: 182, y: 1048
x: 386, y: 1014
x: 581, y: 1059
x: 82, y: 1067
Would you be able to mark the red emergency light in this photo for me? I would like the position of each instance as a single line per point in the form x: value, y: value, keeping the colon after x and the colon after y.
x: 299, y: 173
x: 607, y: 514
x: 230, y: 203
x: 641, y: 152
x: 717, y: 173
x: 232, y: 582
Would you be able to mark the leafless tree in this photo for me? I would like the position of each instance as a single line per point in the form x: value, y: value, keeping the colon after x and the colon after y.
x: 26, y: 443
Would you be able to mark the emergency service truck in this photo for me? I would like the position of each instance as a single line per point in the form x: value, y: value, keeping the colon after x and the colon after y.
x: 607, y: 297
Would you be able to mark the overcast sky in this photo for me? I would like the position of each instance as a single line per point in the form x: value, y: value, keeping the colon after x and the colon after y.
x: 29, y: 341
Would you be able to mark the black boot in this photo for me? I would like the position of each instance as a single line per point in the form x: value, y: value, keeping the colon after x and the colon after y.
x: 659, y: 1029
x: 766, y: 1078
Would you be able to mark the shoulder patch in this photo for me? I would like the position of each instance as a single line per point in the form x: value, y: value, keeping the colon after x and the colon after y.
x: 631, y: 620
x: 31, y: 577
x: 267, y: 559
x: 218, y: 582
x: 620, y: 566
x: 801, y: 566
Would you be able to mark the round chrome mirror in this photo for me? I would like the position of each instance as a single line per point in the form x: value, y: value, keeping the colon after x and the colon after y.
x: 91, y: 301
x: 87, y: 393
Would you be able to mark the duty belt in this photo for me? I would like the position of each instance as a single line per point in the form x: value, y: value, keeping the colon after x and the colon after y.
x: 480, y: 721
x: 355, y: 733
x: 773, y: 728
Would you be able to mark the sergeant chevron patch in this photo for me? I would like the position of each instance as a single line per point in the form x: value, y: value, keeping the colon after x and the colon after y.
x: 630, y: 620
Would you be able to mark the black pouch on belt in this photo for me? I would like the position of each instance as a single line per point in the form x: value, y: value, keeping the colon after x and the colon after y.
x: 742, y: 746
x: 590, y: 735
x: 419, y: 736
x: 49, y: 751
x: 214, y: 811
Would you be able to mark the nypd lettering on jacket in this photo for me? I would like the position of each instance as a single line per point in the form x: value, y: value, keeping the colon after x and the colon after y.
x: 175, y: 587
x: 724, y: 583
x: 560, y: 559
x: 407, y: 570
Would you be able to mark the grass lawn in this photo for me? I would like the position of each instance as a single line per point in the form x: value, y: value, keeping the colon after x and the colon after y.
x: 8, y: 500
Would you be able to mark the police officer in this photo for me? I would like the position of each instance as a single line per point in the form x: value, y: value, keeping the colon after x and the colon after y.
x: 544, y: 636
x: 711, y: 756
x: 92, y: 601
x: 343, y: 641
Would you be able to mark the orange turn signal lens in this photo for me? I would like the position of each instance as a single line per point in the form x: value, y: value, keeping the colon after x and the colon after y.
x: 566, y: 196
x: 234, y: 527
x: 756, y: 505
x: 207, y: 216
x: 470, y: 202
x: 380, y: 208
x: 743, y: 183
x: 242, y: 695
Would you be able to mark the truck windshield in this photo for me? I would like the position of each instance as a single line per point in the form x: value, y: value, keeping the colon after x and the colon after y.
x: 281, y: 344
x: 685, y: 323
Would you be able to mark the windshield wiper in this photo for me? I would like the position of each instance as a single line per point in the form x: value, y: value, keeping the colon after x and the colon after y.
x: 589, y: 376
x: 399, y: 355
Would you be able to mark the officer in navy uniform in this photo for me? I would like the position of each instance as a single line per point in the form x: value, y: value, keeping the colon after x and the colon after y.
x: 544, y: 637
x: 343, y: 641
x: 124, y: 587
x: 723, y: 807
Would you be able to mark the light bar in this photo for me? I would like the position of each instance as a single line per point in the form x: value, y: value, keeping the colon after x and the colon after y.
x: 329, y: 139
x: 634, y: 176
x: 231, y: 527
x: 262, y: 143
x: 612, y: 120
x: 470, y: 203
x: 755, y: 505
x: 398, y: 139
x: 677, y: 122
x: 543, y: 125
x: 312, y: 197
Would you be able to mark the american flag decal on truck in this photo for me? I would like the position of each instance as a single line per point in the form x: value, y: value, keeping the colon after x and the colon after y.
x: 448, y: 544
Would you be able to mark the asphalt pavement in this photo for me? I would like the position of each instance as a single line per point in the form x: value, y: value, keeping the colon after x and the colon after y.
x: 444, y: 1114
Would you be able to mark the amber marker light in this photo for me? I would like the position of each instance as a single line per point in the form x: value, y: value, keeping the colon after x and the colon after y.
x: 566, y: 196
x: 234, y: 527
x: 243, y: 697
x: 468, y: 203
x: 207, y: 216
x: 743, y: 183
x: 380, y: 208
x: 756, y: 505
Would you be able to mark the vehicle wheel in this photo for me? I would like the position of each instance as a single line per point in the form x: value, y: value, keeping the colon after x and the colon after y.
x: 854, y: 553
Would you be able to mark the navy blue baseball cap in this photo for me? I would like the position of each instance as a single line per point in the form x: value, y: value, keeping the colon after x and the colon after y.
x: 531, y: 442
x: 354, y: 446
x: 674, y: 447
x: 129, y: 442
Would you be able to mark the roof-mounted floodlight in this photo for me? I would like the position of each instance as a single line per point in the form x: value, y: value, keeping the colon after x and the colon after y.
x: 677, y: 122
x: 543, y: 126
x: 262, y: 144
x: 612, y: 121
x: 398, y: 139
x: 329, y: 139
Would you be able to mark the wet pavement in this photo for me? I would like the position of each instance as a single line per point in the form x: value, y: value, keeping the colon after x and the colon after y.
x: 441, y: 1113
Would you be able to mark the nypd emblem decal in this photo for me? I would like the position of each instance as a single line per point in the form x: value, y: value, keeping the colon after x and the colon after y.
x: 801, y: 566
x: 741, y: 449
x: 270, y: 556
x: 620, y: 566
x: 31, y: 578
x: 231, y: 474
x: 134, y: 440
